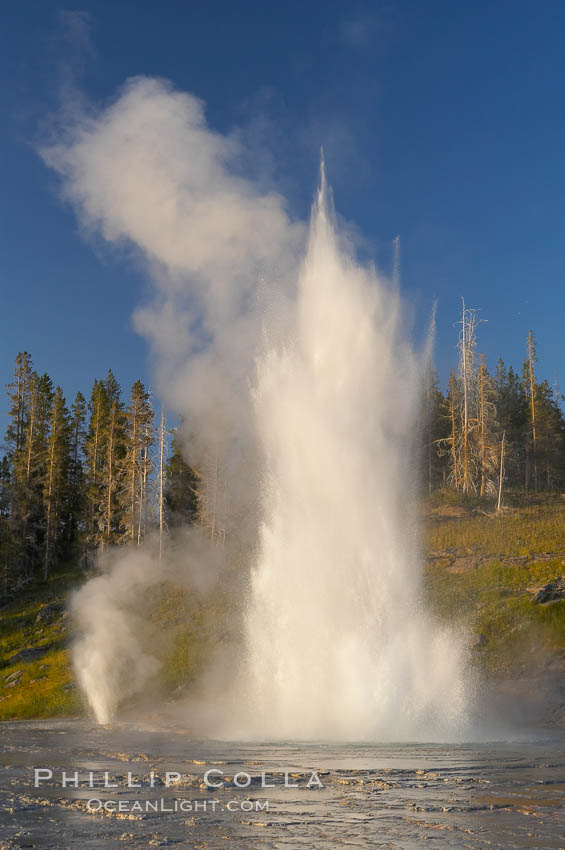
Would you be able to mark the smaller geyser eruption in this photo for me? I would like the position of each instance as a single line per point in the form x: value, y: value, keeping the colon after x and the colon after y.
x: 108, y: 658
x: 120, y: 646
x: 293, y: 367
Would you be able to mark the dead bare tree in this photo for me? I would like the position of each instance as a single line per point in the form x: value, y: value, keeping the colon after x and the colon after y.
x: 501, y: 474
x: 531, y: 350
x: 467, y: 348
x: 211, y: 497
x: 162, y: 457
x: 454, y: 440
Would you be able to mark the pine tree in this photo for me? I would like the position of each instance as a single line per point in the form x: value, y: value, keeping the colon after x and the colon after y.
x: 30, y: 471
x: 529, y: 379
x: 19, y: 397
x: 6, y: 538
x: 61, y: 477
x: 512, y: 416
x: 55, y: 487
x: 112, y: 474
x: 5, y: 480
x: 95, y: 451
x: 436, y: 432
x: 181, y: 484
x: 139, y: 439
x: 15, y: 491
x: 487, y: 430
x: 550, y: 433
x: 77, y: 482
x: 112, y: 387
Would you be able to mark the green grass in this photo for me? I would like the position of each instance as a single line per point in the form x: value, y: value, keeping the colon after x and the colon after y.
x: 185, y: 633
x: 179, y: 630
x: 535, y: 529
x: 494, y: 599
x: 46, y: 687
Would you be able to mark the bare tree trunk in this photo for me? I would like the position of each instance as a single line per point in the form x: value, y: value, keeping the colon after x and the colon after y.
x: 30, y: 436
x: 94, y: 469
x: 133, y: 471
x: 429, y: 428
x: 429, y: 461
x: 49, y: 506
x: 452, y: 412
x: 214, y: 496
x: 531, y: 358
x: 501, y: 474
x: 482, y: 416
x: 467, y: 346
x: 465, y: 399
x: 396, y: 263
x: 211, y: 497
x: 161, y: 480
x: 20, y: 395
x: 110, y: 473
x: 141, y: 509
x: 47, y: 534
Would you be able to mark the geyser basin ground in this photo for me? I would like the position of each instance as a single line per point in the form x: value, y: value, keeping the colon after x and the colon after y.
x: 503, y: 794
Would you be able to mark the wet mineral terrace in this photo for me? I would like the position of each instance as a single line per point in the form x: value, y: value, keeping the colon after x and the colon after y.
x: 489, y: 795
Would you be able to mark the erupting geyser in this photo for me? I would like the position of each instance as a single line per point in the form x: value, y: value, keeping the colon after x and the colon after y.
x: 339, y: 645
x: 291, y: 363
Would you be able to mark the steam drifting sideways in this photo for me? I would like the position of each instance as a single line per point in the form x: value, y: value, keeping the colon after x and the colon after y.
x: 290, y: 361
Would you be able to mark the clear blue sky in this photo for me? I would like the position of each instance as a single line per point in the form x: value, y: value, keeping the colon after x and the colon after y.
x: 442, y: 121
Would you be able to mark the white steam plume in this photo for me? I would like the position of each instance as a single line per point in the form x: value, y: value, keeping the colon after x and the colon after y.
x: 148, y: 172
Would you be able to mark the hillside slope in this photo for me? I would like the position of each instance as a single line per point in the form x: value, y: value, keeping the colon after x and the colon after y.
x: 501, y: 577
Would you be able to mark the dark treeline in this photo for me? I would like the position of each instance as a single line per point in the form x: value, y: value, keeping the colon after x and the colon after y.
x: 76, y: 479
x: 73, y: 480
x: 490, y: 431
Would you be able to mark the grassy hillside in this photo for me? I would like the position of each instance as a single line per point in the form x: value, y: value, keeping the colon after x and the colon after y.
x: 36, y: 672
x: 36, y: 678
x: 483, y: 571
